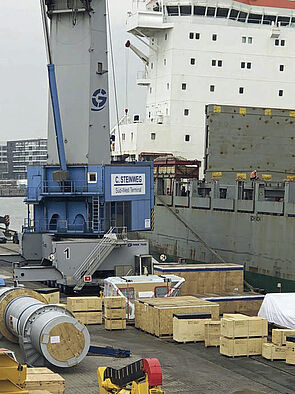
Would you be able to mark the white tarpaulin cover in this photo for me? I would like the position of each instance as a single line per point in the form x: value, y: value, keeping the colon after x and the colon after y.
x: 279, y: 308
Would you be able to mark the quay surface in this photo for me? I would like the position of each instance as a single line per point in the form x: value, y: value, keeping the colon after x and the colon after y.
x: 187, y: 368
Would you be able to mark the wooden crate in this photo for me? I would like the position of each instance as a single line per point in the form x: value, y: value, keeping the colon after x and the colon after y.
x: 138, y: 307
x: 119, y: 324
x: 114, y: 302
x: 89, y: 317
x: 241, y: 326
x: 44, y: 379
x: 155, y: 315
x: 241, y: 346
x: 290, y: 352
x: 272, y: 352
x: 212, y: 333
x: 189, y: 327
x: 279, y: 336
x: 52, y: 298
x: 206, y: 278
x: 115, y: 313
x: 235, y: 302
x: 84, y: 304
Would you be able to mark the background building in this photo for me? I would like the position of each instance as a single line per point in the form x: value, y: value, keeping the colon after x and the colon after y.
x: 15, y: 156
x: 3, y: 161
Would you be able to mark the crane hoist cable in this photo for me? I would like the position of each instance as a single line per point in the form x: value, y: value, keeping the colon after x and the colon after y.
x: 113, y: 74
x: 126, y: 78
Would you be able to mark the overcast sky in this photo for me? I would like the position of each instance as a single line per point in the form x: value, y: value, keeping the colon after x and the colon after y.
x: 23, y: 75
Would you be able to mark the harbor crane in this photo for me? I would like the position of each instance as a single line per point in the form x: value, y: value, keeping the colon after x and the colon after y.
x: 81, y: 207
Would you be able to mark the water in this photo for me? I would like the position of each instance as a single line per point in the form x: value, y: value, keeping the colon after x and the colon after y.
x: 16, y: 209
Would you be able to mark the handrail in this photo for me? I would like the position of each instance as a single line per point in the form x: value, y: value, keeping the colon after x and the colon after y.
x: 101, y: 249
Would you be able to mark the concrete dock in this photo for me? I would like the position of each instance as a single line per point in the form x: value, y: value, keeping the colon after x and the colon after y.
x: 187, y: 368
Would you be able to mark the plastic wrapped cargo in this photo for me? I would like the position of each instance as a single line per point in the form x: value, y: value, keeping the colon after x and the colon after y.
x: 278, y: 308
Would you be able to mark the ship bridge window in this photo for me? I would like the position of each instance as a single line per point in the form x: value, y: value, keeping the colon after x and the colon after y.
x: 281, y: 67
x: 281, y: 92
x: 214, y: 37
x: 185, y: 10
x: 193, y: 61
x: 269, y: 19
x: 242, y: 16
x: 186, y: 112
x: 187, y: 138
x: 233, y: 14
x: 211, y: 11
x: 254, y: 18
x: 198, y: 10
x: 283, y: 20
x: 292, y: 21
x: 172, y: 10
x: 222, y: 12
x: 191, y: 36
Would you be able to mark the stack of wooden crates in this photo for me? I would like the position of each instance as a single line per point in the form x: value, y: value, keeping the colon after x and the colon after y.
x: 87, y: 310
x: 115, y: 313
x: 280, y: 348
x: 242, y: 335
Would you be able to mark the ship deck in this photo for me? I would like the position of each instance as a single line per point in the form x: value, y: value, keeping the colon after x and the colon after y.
x: 187, y: 368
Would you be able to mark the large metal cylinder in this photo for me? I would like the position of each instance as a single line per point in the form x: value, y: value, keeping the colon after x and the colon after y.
x: 48, y: 334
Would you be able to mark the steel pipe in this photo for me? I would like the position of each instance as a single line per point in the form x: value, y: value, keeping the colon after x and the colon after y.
x: 48, y: 334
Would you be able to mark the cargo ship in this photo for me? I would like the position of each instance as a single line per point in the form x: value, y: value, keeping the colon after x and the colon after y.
x: 219, y: 90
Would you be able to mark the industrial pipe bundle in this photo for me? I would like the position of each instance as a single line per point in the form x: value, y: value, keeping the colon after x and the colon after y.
x: 48, y: 334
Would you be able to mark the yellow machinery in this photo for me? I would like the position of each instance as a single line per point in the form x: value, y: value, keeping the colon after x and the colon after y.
x: 142, y: 377
x: 12, y: 374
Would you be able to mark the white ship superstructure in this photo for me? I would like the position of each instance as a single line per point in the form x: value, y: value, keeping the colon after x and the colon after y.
x: 206, y: 52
